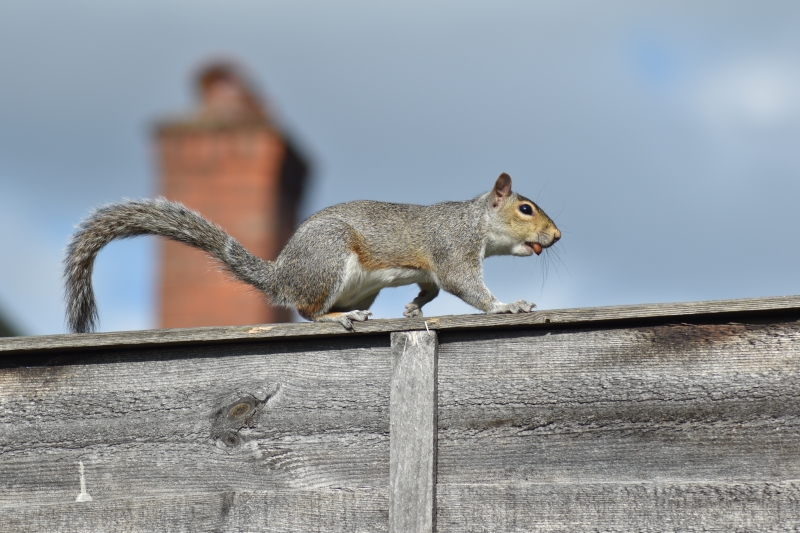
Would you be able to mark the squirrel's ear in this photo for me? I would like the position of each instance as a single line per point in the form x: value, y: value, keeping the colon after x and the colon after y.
x: 502, y: 188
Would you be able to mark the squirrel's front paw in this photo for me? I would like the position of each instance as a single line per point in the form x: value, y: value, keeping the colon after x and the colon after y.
x: 412, y: 311
x: 520, y: 306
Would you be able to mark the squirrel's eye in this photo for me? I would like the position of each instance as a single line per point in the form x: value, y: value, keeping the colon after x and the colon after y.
x: 526, y: 209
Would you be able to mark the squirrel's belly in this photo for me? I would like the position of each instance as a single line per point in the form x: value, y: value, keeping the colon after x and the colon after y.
x: 357, y: 282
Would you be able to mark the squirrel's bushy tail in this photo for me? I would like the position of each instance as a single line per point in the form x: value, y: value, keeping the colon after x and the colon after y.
x: 148, y: 217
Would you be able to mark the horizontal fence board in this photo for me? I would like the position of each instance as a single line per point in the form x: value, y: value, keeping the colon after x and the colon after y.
x: 641, y: 507
x: 686, y: 402
x: 199, y: 419
x: 321, y: 510
x: 537, y: 319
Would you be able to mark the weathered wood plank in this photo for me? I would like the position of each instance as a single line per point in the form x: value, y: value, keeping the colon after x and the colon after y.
x: 682, y: 402
x: 170, y: 423
x: 413, y: 433
x: 641, y: 507
x: 321, y: 510
x: 539, y: 319
x: 668, y: 428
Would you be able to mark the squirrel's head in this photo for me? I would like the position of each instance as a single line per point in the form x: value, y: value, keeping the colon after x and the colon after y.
x: 517, y: 225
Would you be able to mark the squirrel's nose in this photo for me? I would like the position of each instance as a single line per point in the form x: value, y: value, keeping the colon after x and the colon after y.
x: 556, y: 235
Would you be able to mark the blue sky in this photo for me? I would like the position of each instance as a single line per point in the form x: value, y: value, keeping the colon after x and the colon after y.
x: 661, y: 136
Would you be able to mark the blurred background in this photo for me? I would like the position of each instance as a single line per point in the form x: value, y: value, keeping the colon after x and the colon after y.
x: 662, y: 137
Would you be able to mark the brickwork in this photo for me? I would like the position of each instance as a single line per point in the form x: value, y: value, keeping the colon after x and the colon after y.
x: 227, y: 162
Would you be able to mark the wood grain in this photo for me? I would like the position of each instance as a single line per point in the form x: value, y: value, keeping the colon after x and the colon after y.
x: 585, y: 415
x: 172, y: 423
x: 663, y: 506
x: 318, y: 510
x: 412, y: 471
x: 786, y: 305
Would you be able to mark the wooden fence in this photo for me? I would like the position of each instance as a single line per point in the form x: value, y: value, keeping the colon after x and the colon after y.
x: 677, y: 417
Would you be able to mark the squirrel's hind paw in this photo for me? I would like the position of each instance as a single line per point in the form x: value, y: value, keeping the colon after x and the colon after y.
x: 520, y: 306
x: 346, y: 318
x: 358, y: 316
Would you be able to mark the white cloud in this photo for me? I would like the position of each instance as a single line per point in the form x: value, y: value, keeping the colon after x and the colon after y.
x: 752, y: 94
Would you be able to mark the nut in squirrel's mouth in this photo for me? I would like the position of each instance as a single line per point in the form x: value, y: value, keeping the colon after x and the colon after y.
x: 534, y: 247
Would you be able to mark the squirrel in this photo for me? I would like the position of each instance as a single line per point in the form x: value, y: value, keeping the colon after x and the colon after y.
x: 337, y: 261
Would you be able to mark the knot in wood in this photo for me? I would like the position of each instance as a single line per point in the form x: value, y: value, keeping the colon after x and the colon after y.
x: 230, y: 438
x: 240, y: 410
x: 229, y: 419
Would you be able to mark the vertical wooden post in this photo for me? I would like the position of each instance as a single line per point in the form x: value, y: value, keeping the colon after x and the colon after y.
x: 412, y: 434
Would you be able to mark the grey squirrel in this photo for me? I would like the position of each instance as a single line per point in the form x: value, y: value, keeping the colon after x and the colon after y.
x: 333, y: 267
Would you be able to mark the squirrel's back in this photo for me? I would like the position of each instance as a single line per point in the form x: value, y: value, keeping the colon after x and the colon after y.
x: 393, y: 230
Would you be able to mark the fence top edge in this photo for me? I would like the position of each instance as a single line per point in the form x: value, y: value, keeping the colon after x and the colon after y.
x: 543, y: 319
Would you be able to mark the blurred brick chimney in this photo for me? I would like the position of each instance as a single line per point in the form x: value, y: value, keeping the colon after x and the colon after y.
x: 226, y: 160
